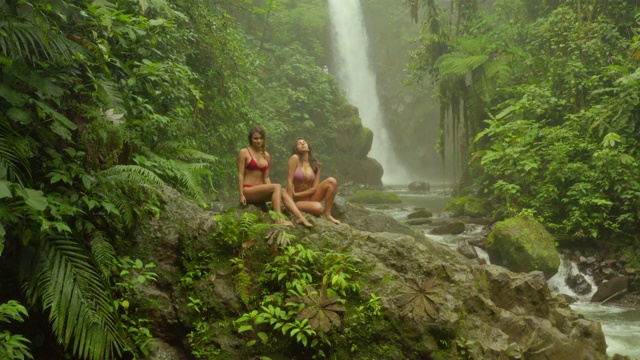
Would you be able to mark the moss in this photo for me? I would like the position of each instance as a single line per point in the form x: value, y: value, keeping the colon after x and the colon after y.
x: 524, y: 245
x: 375, y: 197
x: 468, y: 205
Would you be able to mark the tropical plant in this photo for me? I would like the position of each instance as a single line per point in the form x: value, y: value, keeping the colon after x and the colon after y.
x: 319, y: 309
x: 13, y: 346
x: 420, y: 298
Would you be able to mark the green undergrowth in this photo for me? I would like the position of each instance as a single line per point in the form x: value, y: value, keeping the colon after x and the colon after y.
x: 284, y: 298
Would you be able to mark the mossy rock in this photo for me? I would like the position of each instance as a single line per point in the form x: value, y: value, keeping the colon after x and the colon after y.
x: 522, y: 244
x: 375, y: 197
x: 469, y: 206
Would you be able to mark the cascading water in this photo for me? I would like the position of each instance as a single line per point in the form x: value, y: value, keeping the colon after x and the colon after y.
x: 354, y: 72
x: 621, y: 326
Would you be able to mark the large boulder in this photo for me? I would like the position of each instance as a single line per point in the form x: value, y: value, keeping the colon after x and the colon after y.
x: 434, y: 302
x: 367, y: 171
x: 522, y: 244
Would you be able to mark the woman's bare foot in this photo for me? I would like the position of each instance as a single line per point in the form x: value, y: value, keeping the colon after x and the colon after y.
x: 284, y: 222
x: 302, y: 220
x: 330, y: 218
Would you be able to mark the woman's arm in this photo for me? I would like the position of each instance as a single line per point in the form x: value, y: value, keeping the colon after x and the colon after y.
x: 241, y: 167
x: 265, y: 175
x: 292, y: 166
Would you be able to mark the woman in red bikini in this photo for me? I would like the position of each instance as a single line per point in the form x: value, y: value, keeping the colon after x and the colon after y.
x: 253, y: 178
x: 304, y: 186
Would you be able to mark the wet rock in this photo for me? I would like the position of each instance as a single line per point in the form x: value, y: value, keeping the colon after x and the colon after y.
x: 468, y: 251
x: 578, y: 284
x: 611, y: 290
x: 419, y: 186
x: 418, y: 221
x: 420, y: 213
x: 454, y: 228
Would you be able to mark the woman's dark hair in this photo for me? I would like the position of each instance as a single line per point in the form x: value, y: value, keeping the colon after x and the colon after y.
x: 313, y: 161
x: 260, y: 130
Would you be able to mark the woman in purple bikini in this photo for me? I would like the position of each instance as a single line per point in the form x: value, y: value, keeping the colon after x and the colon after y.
x: 304, y: 186
x: 254, y: 183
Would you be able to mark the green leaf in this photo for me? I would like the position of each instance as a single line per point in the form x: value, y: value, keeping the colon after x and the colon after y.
x: 35, y: 199
x: 508, y: 110
x: 60, y: 226
x: 244, y: 328
x: 264, y: 337
x: 4, y: 189
x: 19, y: 115
x: 13, y: 97
x: 251, y: 343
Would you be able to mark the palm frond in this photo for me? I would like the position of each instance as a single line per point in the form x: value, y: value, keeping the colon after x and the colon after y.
x: 62, y: 279
x: 458, y: 65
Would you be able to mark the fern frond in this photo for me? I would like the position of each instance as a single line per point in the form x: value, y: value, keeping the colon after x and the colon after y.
x: 76, y: 297
x: 28, y: 41
x: 134, y: 174
x: 189, y: 180
x: 124, y: 206
x: 120, y: 177
x: 498, y: 69
x: 103, y: 253
x: 108, y: 92
x: 14, y: 153
x: 185, y: 176
x: 183, y: 152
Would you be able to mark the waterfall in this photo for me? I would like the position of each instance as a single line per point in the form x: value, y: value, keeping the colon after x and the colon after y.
x: 354, y: 72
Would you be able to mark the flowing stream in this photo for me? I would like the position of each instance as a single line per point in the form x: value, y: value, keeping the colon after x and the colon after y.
x: 353, y: 70
x: 621, y: 325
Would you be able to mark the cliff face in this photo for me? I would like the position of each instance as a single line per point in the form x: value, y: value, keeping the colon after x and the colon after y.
x: 433, y: 303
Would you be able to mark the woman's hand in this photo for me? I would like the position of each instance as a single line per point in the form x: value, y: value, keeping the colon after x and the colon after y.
x: 243, y: 200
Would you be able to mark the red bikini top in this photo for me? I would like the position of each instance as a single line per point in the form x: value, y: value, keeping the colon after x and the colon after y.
x: 253, y: 164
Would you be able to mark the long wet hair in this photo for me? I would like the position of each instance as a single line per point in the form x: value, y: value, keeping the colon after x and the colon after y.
x: 260, y: 130
x: 313, y: 161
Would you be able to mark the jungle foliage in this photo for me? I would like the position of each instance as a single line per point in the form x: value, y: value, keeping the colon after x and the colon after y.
x: 104, y: 103
x: 545, y: 95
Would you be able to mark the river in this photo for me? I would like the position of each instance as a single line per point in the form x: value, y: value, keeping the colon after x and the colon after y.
x: 621, y: 325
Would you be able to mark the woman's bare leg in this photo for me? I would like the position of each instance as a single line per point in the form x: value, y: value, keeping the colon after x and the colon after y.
x: 327, y: 190
x: 267, y: 192
x: 291, y: 206
x: 311, y: 207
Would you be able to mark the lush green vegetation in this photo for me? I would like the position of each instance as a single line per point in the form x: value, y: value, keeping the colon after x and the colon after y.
x: 105, y: 102
x: 545, y: 96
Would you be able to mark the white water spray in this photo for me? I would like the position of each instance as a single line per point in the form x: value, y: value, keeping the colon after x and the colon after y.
x: 354, y: 72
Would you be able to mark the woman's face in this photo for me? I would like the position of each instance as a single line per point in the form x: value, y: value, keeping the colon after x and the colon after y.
x: 257, y: 140
x: 302, y: 146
